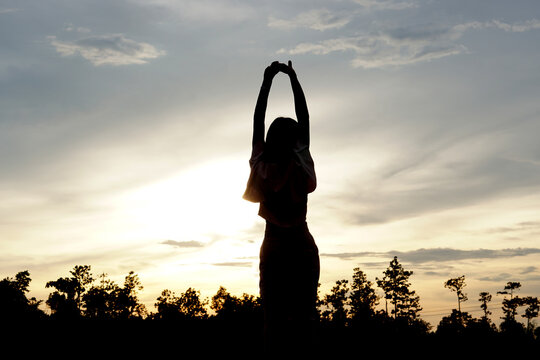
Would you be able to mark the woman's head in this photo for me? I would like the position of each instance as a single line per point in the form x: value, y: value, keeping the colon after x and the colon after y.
x: 281, y: 138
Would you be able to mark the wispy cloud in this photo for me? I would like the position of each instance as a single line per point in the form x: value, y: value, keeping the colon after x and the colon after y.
x: 395, y: 47
x: 498, y: 278
x: 387, y: 4
x: 10, y: 10
x: 529, y: 269
x: 528, y: 275
x: 205, y: 11
x: 234, y: 264
x: 420, y: 256
x: 70, y: 27
x: 317, y: 19
x: 519, y: 227
x: 114, y: 49
x: 515, y: 27
x: 404, y: 45
x: 183, y: 244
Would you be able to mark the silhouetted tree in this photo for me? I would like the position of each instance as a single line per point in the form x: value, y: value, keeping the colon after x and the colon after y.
x: 509, y: 325
x: 249, y: 304
x: 457, y: 285
x: 509, y: 288
x: 454, y: 324
x: 227, y: 306
x: 166, y: 305
x: 363, y: 298
x: 349, y: 308
x: 510, y: 305
x: 106, y: 300
x: 410, y: 306
x: 533, y: 307
x: 319, y: 301
x: 223, y: 303
x: 485, y: 298
x: 187, y: 306
x: 336, y: 304
x: 127, y: 304
x: 395, y: 285
x: 82, y: 278
x: 100, y: 300
x: 66, y: 301
x: 480, y: 328
x: 14, y: 304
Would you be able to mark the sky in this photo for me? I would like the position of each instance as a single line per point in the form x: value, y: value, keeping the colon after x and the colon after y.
x: 125, y: 134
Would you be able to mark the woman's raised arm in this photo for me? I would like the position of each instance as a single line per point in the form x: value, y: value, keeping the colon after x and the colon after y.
x: 260, y: 107
x: 300, y: 104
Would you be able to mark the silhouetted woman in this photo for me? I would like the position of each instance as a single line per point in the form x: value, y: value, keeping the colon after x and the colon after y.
x: 282, y: 175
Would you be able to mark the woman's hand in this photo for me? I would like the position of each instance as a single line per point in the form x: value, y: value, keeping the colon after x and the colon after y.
x: 287, y: 69
x: 271, y: 71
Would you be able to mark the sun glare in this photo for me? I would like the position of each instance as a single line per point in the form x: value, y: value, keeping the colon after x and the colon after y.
x: 196, y: 204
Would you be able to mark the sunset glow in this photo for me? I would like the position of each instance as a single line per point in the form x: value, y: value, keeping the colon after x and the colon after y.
x: 195, y: 204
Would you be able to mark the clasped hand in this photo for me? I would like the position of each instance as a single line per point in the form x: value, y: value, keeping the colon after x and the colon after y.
x: 276, y: 67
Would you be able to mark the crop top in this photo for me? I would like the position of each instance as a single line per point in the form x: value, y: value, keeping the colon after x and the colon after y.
x: 281, y: 189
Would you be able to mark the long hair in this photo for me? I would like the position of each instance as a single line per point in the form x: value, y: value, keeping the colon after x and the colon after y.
x: 280, y: 140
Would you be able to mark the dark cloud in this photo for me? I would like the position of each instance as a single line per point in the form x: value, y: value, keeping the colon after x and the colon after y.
x: 502, y: 277
x: 529, y: 269
x: 437, y: 254
x: 521, y: 226
x: 370, y: 265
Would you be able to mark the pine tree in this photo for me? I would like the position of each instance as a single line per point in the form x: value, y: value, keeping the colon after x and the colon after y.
x: 485, y: 297
x: 363, y: 298
x: 395, y: 285
x: 510, y: 305
x: 457, y: 285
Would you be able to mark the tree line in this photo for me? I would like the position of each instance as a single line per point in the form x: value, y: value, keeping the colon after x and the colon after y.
x: 348, y: 310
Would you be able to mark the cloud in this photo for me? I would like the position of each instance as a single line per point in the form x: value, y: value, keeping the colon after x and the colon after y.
x: 519, y: 227
x: 404, y: 45
x: 7, y: 11
x: 529, y: 269
x: 432, y: 169
x: 498, y: 278
x: 234, y: 264
x: 420, y: 256
x: 524, y: 161
x: 183, y: 244
x: 70, y: 27
x: 387, y: 4
x: 316, y: 19
x: 517, y: 27
x: 204, y: 11
x: 390, y: 48
x: 112, y: 49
